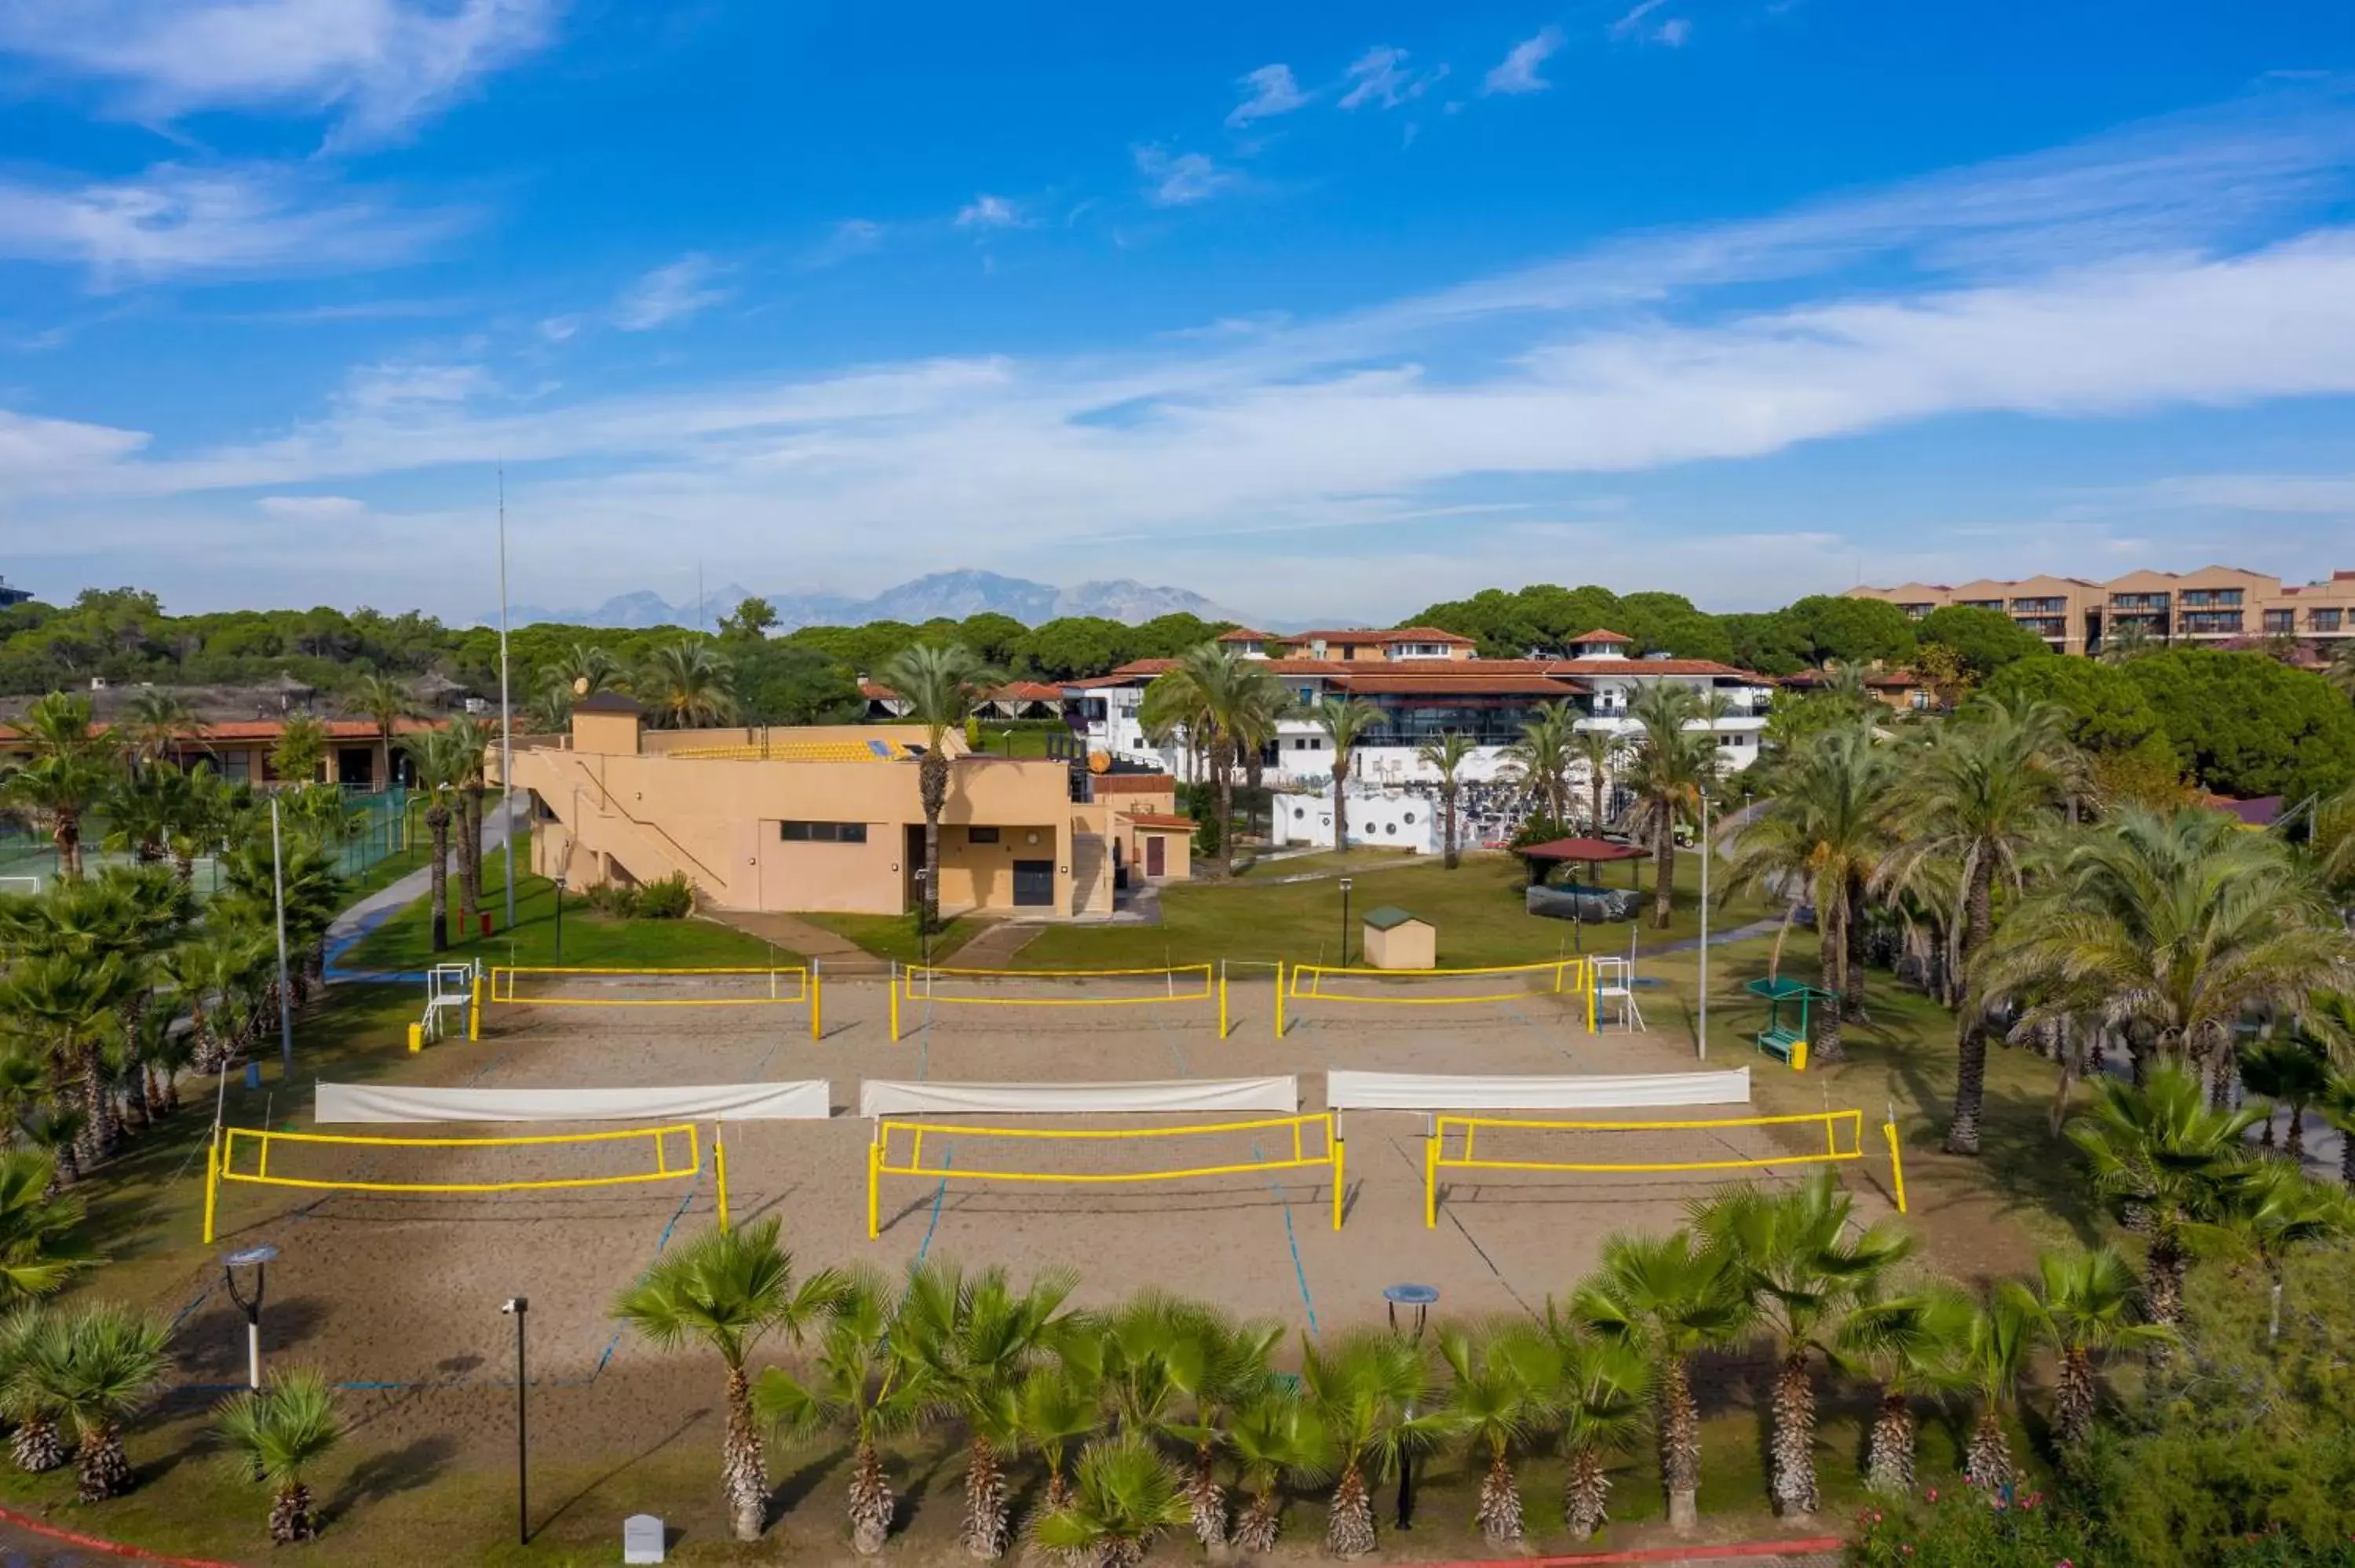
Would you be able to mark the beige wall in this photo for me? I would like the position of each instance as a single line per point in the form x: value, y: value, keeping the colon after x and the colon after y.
x: 1413, y: 946
x: 717, y: 821
x: 2193, y: 608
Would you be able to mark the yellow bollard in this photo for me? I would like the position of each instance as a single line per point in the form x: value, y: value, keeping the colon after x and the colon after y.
x: 212, y: 1183
x: 874, y: 1181
x: 1799, y: 1057
x: 1222, y: 999
x: 892, y: 979
x: 1341, y: 1170
x: 475, y: 1009
x: 816, y: 1030
x: 1279, y: 998
x: 1896, y: 1163
x: 1431, y: 1178
x: 416, y: 1038
x: 720, y: 1172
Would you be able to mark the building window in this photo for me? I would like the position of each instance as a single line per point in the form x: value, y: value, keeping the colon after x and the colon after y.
x: 2211, y: 598
x: 1994, y: 604
x: 2211, y: 622
x: 2281, y: 620
x: 2039, y: 605
x: 2138, y: 601
x: 972, y: 835
x: 823, y: 832
x: 1916, y: 611
x: 2322, y: 620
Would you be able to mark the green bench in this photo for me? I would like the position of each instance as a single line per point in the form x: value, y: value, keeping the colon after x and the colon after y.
x: 1787, y: 1041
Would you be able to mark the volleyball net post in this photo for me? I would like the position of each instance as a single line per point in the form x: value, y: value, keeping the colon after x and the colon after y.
x: 222, y: 1162
x: 906, y: 1156
x: 1454, y: 1144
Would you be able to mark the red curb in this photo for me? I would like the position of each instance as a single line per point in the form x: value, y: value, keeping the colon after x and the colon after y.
x: 1661, y: 1554
x: 114, y: 1548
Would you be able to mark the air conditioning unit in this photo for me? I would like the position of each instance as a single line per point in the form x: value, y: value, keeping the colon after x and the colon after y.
x: 478, y: 705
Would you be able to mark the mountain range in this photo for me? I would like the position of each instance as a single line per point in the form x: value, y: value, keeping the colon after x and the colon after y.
x: 954, y: 595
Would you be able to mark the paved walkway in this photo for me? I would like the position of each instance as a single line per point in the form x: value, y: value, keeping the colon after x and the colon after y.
x: 996, y: 945
x: 348, y: 928
x: 835, y: 954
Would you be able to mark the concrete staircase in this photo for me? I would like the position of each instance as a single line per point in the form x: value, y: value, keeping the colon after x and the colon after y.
x: 1091, y: 876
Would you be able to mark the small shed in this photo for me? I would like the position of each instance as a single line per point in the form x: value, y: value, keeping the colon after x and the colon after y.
x: 1394, y: 939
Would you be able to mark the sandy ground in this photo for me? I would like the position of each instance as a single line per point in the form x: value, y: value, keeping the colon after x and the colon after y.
x: 402, y: 1290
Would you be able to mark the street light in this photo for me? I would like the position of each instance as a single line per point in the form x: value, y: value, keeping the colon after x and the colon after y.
x: 1345, y: 922
x: 256, y: 1258
x: 1705, y: 854
x: 1421, y: 1297
x: 515, y: 1306
x: 559, y: 917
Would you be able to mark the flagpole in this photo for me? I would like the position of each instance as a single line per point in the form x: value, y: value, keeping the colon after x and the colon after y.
x: 506, y: 723
x: 285, y: 986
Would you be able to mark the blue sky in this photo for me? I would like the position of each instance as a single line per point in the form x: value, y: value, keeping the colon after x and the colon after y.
x: 1321, y: 310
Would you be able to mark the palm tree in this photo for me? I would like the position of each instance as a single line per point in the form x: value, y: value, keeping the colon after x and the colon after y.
x: 469, y: 746
x: 1446, y: 755
x: 2169, y: 929
x: 1500, y: 1381
x: 1996, y: 1350
x: 98, y: 1368
x: 280, y: 1432
x: 1598, y: 751
x: 1277, y: 1437
x: 2338, y: 1107
x: 1227, y: 706
x: 1910, y: 1344
x: 1539, y: 759
x: 439, y: 766
x: 2270, y: 1209
x: 35, y: 1447
x: 2084, y: 1308
x: 37, y: 1256
x: 1602, y: 1387
x: 1672, y: 764
x: 1127, y: 1494
x: 2127, y: 641
x: 1374, y: 1393
x: 1670, y: 1297
x: 2288, y: 1072
x: 2341, y: 673
x: 70, y: 1004
x: 1056, y: 1406
x: 942, y: 687
x: 384, y: 701
x: 686, y: 684
x: 1827, y: 827
x: 1345, y: 721
x: 866, y: 1382
x: 1211, y: 1365
x: 979, y: 1337
x: 586, y: 669
x: 1803, y: 1269
x: 153, y: 722
x: 729, y: 1291
x: 2160, y: 1156
x: 71, y: 768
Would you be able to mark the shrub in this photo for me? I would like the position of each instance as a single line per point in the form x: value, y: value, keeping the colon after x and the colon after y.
x: 616, y: 899
x: 1962, y: 1527
x: 672, y: 898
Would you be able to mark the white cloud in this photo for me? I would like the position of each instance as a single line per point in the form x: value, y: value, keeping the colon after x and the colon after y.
x: 1181, y: 179
x: 669, y: 293
x: 1517, y: 72
x: 2308, y: 494
x: 1381, y: 77
x: 1673, y: 32
x: 1626, y: 25
x: 379, y: 66
x: 853, y: 236
x: 558, y: 329
x: 311, y: 508
x: 1267, y: 91
x: 175, y: 221
x: 987, y: 211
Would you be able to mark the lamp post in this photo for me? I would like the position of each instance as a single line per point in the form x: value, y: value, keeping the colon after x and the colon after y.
x: 1705, y: 857
x: 559, y: 917
x: 1421, y: 1298
x: 1345, y: 922
x: 924, y: 920
x: 515, y: 1306
x: 257, y: 1259
x: 285, y: 986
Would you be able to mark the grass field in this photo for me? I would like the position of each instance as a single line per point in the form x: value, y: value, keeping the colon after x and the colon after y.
x: 404, y: 943
x: 894, y: 936
x: 1476, y: 908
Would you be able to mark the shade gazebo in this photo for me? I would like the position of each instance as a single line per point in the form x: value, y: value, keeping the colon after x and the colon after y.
x: 1589, y: 851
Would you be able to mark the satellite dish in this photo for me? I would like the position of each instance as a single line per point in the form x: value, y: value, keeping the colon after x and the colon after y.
x: 579, y: 686
x: 1099, y: 761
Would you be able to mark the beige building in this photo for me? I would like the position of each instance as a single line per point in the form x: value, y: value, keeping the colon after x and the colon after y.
x: 2213, y: 606
x: 831, y: 818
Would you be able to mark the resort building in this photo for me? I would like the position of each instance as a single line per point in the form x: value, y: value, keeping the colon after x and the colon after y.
x: 357, y: 755
x: 830, y: 817
x: 2213, y: 606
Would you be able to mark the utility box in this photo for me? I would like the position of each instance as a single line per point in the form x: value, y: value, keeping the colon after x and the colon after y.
x: 641, y: 1538
x: 1394, y: 939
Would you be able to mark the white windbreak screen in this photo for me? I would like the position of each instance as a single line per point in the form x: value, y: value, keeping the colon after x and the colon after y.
x: 806, y: 1101
x: 1433, y: 1092
x: 1280, y: 1096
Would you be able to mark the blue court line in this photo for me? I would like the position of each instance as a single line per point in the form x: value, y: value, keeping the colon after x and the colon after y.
x: 1292, y: 1239
x: 939, y: 1193
x: 181, y: 1315
x: 614, y: 1343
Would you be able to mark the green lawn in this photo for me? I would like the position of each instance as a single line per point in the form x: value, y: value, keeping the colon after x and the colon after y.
x: 404, y: 943
x: 1325, y: 862
x: 1478, y: 909
x: 894, y: 936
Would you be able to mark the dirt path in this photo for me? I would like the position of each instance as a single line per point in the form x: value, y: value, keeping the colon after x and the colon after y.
x: 837, y: 955
x: 996, y: 946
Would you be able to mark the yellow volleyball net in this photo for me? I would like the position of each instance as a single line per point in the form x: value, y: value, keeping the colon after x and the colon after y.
x: 1711, y: 1146
x: 969, y: 1151
x: 1566, y: 983
x: 757, y: 985
x: 1195, y: 990
x: 537, y: 1162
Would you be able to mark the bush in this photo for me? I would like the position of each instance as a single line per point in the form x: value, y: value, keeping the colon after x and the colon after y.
x: 672, y: 898
x: 616, y: 899
x: 1962, y: 1527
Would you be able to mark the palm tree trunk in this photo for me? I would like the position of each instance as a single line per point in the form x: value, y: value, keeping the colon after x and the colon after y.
x: 1679, y: 1446
x: 932, y: 783
x: 1206, y: 1499
x: 437, y: 821
x: 1349, y: 1529
x: 872, y: 1503
x: 2073, y: 1397
x: 985, y: 1501
x: 1970, y: 1085
x: 102, y: 1469
x: 2347, y: 1157
x: 1664, y: 870
x: 68, y: 836
x: 2163, y: 1282
x: 1853, y: 954
x: 1586, y: 1496
x: 1986, y: 1462
x: 1449, y: 856
x: 2293, y: 1143
x: 1889, y: 1456
x: 1340, y: 802
x: 289, y: 1515
x: 1827, y: 1046
x: 1499, y: 1513
x: 1794, y: 1439
x: 36, y: 1446
x: 1256, y: 1533
x: 742, y: 1479
x: 1226, y: 763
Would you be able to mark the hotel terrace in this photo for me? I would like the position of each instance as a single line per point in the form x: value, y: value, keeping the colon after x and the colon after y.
x: 2213, y: 606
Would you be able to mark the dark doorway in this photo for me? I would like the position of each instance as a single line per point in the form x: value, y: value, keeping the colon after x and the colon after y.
x: 1034, y: 884
x: 356, y: 765
x: 1154, y: 852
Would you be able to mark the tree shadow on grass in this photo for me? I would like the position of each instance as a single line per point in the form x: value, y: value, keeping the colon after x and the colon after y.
x: 386, y: 1475
x: 798, y: 1485
x: 587, y: 1488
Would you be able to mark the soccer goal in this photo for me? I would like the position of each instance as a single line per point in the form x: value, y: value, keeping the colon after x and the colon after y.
x: 1191, y: 990
x: 1566, y: 983
x: 351, y: 1162
x: 771, y: 985
x: 1710, y: 1147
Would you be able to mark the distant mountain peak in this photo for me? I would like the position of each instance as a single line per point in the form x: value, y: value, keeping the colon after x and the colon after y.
x: 952, y: 594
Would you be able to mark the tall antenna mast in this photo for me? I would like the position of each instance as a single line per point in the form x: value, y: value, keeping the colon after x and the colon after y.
x: 506, y: 721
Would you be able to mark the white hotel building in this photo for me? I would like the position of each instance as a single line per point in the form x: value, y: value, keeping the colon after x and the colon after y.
x: 1424, y: 683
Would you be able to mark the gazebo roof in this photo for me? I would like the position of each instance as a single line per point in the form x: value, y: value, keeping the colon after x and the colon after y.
x: 1582, y: 849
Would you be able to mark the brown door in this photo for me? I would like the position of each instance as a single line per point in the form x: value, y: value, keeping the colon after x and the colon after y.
x: 1154, y: 865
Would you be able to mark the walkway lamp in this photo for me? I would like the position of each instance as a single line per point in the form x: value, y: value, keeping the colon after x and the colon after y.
x: 515, y: 1306
x: 1345, y: 922
x: 257, y: 1259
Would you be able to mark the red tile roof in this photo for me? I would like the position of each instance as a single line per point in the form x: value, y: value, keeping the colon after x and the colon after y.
x: 1155, y: 819
x: 1399, y: 634
x: 195, y: 737
x: 1600, y: 635
x: 1656, y: 667
x: 1028, y: 692
x: 1245, y: 634
x: 1479, y: 685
